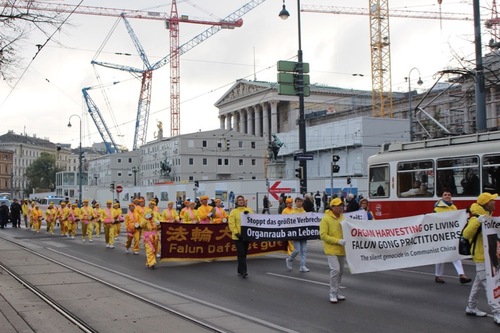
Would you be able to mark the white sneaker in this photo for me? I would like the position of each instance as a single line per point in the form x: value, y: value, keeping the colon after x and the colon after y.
x: 305, y: 269
x: 135, y: 252
x: 333, y: 299
x: 288, y: 263
x: 341, y: 297
x: 91, y: 240
x: 72, y: 237
x: 496, y: 319
x: 107, y: 245
x: 111, y: 247
x: 475, y: 312
x: 127, y: 251
x: 158, y: 255
x: 83, y: 240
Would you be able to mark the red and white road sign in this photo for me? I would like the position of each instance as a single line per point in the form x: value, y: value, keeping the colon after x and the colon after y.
x: 119, y: 189
x: 274, y: 190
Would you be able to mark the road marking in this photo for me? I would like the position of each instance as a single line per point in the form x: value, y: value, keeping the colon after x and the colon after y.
x: 303, y: 280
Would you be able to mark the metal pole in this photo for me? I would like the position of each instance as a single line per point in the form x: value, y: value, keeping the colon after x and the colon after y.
x: 480, y: 94
x: 302, y: 121
x: 410, y: 111
x: 80, y: 157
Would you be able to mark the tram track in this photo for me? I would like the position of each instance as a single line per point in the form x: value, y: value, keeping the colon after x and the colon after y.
x: 76, y: 320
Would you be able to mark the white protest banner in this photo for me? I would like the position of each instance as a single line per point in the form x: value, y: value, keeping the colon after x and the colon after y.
x: 404, y: 242
x: 491, y: 244
x: 258, y: 227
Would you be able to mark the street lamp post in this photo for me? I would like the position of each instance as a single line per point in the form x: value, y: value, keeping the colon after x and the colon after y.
x: 410, y: 111
x: 80, y: 157
x: 284, y: 14
x: 135, y: 170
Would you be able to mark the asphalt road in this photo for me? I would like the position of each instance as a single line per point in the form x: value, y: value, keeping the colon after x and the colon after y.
x: 391, y: 301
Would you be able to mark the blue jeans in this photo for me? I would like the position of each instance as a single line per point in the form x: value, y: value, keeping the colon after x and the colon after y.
x: 299, y: 246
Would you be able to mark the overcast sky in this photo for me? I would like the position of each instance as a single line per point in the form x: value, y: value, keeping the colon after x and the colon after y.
x: 336, y: 46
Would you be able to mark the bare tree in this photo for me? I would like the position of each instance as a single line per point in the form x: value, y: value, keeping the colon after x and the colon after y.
x: 17, y: 20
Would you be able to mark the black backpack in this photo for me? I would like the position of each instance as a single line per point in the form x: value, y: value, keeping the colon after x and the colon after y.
x: 464, y: 246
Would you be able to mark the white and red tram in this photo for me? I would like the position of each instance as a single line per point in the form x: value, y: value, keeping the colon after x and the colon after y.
x: 408, y: 178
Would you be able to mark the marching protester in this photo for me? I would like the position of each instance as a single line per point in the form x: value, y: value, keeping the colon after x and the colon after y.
x: 88, y: 217
x: 330, y: 231
x: 204, y: 211
x: 152, y: 213
x: 190, y: 213
x: 118, y: 216
x: 73, y: 218
x: 484, y: 205
x: 109, y: 228
x: 288, y: 210
x: 219, y: 213
x: 63, y: 213
x: 132, y: 226
x: 150, y: 236
x: 169, y: 215
x: 4, y: 215
x: 300, y: 245
x: 25, y: 210
x: 37, y: 217
x: 50, y: 218
x: 98, y: 211
x: 235, y: 227
x: 363, y: 204
x: 445, y: 204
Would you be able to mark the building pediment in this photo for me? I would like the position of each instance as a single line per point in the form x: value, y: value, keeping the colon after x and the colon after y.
x: 242, y: 89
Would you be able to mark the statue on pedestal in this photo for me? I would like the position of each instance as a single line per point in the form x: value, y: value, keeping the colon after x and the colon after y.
x: 274, y: 147
x: 165, y: 168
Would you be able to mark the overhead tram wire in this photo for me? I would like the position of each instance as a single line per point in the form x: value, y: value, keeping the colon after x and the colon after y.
x: 38, y: 51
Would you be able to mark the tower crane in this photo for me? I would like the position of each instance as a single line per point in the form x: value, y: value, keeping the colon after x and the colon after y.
x: 380, y: 43
x: 103, y: 130
x: 229, y: 22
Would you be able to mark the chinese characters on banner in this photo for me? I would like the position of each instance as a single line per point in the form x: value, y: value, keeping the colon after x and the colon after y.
x: 206, y: 241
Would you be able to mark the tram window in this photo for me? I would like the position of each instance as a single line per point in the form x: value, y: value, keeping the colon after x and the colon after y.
x: 459, y: 175
x: 379, y: 181
x: 416, y: 179
x: 491, y: 173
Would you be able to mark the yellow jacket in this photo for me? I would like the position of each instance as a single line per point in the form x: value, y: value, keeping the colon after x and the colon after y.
x: 131, y: 218
x: 203, y: 212
x: 235, y: 220
x: 330, y: 232
x: 51, y: 214
x: 470, y: 232
x: 169, y: 215
x: 190, y: 216
x: 441, y: 206
x: 25, y: 208
x: 87, y: 213
x: 219, y: 215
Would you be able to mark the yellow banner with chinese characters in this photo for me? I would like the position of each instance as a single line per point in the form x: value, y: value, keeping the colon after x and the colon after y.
x: 207, y: 241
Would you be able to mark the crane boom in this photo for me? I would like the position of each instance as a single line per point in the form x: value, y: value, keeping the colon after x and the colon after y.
x: 103, y: 130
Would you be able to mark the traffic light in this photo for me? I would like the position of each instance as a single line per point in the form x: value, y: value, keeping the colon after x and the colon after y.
x: 335, y: 158
x: 112, y: 187
x: 336, y: 168
x: 299, y: 172
x: 348, y: 180
x: 196, y: 183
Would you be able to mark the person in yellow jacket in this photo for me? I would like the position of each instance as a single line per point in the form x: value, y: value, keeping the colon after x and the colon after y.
x: 98, y: 211
x: 483, y: 207
x: 219, y: 214
x: 149, y: 226
x: 330, y: 232
x: 26, y: 210
x: 62, y: 216
x: 31, y: 208
x: 74, y: 216
x: 118, y: 216
x: 132, y: 227
x: 183, y: 210
x: 88, y: 218
x: 36, y: 217
x: 235, y: 227
x: 51, y: 217
x: 191, y: 214
x: 169, y: 214
x: 109, y: 228
x: 205, y: 211
x: 152, y: 211
x: 288, y: 210
x: 445, y: 204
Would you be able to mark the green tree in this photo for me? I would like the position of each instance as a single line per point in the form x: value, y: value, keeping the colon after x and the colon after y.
x: 41, y: 174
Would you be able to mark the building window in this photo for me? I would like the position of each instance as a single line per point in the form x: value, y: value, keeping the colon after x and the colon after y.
x: 205, y: 161
x: 119, y: 160
x: 240, y: 162
x: 240, y: 144
x: 191, y: 178
x: 119, y: 174
x: 204, y: 143
x: 219, y: 161
x: 226, y: 161
x: 130, y: 159
x: 191, y: 161
x: 254, y: 161
x: 252, y: 144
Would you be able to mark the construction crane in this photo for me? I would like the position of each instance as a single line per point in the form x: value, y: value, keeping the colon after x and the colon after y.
x: 229, y: 22
x: 380, y: 43
x: 492, y: 25
x: 96, y: 116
